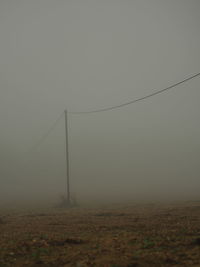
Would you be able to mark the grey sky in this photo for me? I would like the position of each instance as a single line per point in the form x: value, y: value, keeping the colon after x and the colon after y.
x: 91, y: 54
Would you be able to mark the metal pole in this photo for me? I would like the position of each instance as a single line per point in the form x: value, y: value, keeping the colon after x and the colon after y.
x: 67, y: 157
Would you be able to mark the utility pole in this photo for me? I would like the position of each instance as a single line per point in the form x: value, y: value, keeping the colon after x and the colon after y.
x: 67, y: 158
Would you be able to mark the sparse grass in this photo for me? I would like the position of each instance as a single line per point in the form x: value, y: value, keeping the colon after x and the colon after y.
x: 148, y: 243
x: 133, y: 242
x: 97, y: 237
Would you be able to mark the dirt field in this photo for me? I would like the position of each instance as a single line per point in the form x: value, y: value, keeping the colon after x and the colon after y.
x: 131, y: 235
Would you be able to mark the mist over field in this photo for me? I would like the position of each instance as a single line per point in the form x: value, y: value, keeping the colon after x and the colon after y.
x: 87, y: 55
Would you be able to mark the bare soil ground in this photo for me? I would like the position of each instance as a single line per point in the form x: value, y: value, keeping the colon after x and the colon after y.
x: 131, y: 235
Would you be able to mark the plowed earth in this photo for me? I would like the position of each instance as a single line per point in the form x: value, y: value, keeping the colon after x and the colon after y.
x: 134, y: 235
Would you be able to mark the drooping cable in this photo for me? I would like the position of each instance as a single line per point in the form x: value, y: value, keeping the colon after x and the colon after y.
x: 137, y: 99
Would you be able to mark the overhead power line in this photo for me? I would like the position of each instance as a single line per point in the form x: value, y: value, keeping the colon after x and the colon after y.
x: 110, y: 108
x: 43, y: 138
x: 137, y: 99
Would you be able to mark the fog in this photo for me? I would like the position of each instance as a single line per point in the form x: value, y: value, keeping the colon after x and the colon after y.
x: 85, y: 55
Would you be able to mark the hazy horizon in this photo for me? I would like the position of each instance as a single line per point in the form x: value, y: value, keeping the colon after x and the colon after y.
x: 92, y: 54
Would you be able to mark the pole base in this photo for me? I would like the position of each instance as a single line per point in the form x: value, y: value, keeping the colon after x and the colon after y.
x: 66, y: 203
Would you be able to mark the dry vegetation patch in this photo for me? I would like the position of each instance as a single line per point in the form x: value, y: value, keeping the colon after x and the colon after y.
x: 123, y: 236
